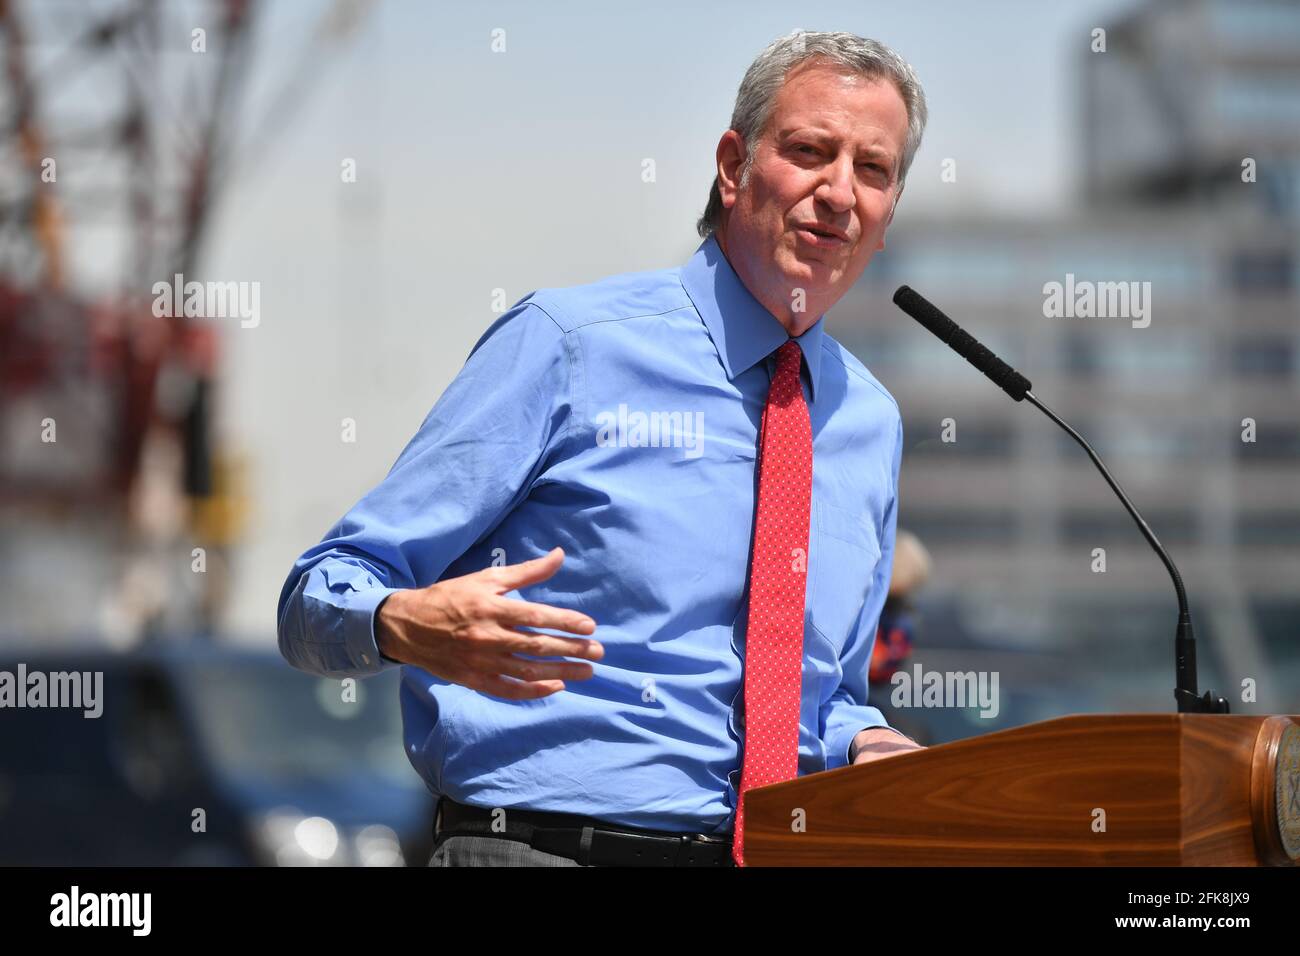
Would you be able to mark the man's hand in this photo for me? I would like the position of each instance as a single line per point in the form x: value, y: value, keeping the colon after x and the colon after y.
x: 464, y: 631
x: 876, y: 743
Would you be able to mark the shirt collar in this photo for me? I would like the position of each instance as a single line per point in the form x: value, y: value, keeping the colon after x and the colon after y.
x: 743, y: 331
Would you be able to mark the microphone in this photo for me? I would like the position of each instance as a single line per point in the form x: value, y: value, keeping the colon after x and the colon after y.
x: 1019, y: 388
x: 961, y: 342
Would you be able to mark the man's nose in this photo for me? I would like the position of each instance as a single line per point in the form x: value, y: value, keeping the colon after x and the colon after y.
x: 836, y: 189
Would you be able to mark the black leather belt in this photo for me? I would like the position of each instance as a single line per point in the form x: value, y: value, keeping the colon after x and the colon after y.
x: 590, y: 841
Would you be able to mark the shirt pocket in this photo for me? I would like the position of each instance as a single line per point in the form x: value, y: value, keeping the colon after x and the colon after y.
x: 842, y: 564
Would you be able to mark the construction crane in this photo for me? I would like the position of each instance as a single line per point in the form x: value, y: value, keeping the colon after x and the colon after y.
x: 119, y: 126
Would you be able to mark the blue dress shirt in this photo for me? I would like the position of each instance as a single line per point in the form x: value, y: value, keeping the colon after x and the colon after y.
x: 619, y: 420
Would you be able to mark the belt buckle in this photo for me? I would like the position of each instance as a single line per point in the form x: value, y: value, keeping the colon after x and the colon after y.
x: 686, y: 839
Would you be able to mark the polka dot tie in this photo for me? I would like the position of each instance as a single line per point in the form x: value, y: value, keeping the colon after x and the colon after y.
x: 777, y: 580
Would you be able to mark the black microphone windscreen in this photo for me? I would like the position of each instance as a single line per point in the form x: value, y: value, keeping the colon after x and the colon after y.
x: 924, y: 311
x: 962, y: 342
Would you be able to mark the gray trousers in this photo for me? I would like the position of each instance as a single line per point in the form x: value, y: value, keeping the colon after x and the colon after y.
x: 493, y: 851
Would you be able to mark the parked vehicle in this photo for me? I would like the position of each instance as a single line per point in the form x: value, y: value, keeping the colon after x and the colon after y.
x: 209, y: 755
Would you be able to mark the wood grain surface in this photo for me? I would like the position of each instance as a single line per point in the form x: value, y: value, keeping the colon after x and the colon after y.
x: 1087, y: 790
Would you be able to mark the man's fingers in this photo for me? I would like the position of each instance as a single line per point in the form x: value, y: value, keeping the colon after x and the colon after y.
x: 518, y: 678
x: 533, y: 671
x: 527, y: 614
x: 499, y: 686
x: 514, y: 641
x: 882, y: 749
x: 529, y: 572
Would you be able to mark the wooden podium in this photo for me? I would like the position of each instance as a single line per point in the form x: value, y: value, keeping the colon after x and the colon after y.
x: 1103, y: 790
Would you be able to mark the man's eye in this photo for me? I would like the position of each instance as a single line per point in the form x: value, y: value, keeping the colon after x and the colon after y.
x: 807, y: 147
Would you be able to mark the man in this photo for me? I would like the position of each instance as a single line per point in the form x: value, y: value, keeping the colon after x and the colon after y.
x: 684, y: 458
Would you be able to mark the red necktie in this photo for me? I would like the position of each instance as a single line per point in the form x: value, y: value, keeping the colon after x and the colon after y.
x: 777, y: 581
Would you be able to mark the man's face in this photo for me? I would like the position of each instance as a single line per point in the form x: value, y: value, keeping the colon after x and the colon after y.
x: 828, y: 159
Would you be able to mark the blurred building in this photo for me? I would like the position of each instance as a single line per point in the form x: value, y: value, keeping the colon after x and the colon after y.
x: 1186, y: 91
x: 1012, y: 510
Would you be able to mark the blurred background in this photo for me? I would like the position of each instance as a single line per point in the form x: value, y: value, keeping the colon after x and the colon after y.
x: 390, y: 176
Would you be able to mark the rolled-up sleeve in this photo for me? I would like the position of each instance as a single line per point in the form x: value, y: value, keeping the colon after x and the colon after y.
x: 846, y: 712
x: 473, y: 459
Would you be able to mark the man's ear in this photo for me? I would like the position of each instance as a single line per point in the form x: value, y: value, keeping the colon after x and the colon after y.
x: 897, y: 196
x: 730, y: 159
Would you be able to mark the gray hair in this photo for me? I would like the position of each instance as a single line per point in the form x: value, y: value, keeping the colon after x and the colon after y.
x: 767, y: 74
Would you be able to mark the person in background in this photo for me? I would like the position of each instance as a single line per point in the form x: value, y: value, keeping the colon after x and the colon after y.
x: 897, y: 629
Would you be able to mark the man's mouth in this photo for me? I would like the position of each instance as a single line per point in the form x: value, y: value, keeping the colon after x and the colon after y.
x: 821, y: 238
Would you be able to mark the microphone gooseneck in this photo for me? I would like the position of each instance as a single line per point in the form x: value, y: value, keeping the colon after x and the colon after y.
x: 1019, y: 388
